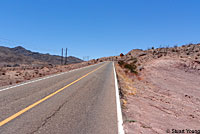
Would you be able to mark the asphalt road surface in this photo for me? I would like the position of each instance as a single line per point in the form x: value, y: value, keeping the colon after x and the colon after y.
x: 78, y: 102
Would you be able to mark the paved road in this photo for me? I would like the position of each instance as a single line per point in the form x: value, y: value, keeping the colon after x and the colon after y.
x: 88, y: 106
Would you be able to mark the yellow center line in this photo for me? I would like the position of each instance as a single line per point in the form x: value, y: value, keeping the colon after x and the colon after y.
x: 43, y: 99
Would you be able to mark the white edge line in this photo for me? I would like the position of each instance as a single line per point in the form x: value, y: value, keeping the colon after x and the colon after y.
x: 119, y: 111
x: 46, y: 77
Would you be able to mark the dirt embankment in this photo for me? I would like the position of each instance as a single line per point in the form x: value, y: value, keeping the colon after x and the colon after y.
x: 164, y: 94
x: 12, y: 75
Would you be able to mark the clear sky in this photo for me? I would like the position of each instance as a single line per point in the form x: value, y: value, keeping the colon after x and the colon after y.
x: 98, y: 28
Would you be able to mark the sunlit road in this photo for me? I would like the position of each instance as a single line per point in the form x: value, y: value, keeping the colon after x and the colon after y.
x: 77, y: 102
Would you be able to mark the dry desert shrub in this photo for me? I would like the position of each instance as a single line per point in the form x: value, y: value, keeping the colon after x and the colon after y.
x: 126, y: 83
x: 129, y: 66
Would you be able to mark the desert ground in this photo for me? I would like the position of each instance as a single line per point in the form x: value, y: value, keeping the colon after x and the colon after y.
x: 13, y: 75
x: 163, y: 96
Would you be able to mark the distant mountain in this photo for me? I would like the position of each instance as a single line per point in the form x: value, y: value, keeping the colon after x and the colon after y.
x: 19, y: 55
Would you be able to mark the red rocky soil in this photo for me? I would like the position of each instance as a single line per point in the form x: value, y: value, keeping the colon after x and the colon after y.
x: 12, y: 75
x: 167, y: 97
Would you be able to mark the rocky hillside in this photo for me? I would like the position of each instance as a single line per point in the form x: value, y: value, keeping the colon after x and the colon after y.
x: 160, y: 89
x: 190, y: 52
x: 19, y: 55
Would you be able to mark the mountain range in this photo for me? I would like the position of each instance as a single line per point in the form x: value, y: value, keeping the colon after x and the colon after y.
x: 21, y: 56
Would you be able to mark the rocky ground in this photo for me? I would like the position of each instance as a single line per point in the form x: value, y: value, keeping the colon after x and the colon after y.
x: 12, y: 75
x: 164, y: 93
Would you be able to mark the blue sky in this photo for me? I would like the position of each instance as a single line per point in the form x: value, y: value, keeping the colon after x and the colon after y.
x: 98, y: 28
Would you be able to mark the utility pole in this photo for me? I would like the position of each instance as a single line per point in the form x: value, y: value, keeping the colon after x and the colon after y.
x: 66, y: 56
x: 62, y: 57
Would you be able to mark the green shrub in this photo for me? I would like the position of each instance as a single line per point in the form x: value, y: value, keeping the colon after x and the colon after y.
x: 132, y: 67
x: 121, y: 63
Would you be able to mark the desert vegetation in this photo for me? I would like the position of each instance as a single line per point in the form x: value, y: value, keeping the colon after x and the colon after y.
x: 131, y: 67
x: 13, y: 75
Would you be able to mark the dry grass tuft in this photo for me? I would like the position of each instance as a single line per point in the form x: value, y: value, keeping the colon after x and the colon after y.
x: 126, y: 83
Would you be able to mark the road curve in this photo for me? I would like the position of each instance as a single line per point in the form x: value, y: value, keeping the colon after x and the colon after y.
x: 85, y: 104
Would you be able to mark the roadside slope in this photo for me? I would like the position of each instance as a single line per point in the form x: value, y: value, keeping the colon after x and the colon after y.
x: 165, y: 96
